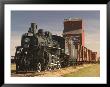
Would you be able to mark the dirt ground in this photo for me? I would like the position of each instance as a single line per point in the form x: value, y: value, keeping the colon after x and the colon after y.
x: 68, y: 71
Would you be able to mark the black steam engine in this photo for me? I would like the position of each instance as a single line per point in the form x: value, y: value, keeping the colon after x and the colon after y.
x: 39, y: 51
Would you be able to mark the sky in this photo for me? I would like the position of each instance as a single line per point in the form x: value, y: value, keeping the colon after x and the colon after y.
x: 53, y: 22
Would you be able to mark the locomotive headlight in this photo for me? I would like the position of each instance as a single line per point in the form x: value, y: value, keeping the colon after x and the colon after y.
x: 26, y: 40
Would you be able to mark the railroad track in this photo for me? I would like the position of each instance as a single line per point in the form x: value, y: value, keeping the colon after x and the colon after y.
x: 53, y: 73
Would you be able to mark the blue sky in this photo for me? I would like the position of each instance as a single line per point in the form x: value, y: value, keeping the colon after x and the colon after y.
x: 53, y: 21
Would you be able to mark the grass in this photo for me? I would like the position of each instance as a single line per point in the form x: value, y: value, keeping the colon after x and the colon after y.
x: 91, y: 71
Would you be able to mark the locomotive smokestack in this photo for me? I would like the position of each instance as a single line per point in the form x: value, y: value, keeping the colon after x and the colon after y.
x: 33, y: 28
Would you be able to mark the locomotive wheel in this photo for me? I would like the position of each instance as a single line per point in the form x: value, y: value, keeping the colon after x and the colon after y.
x: 39, y: 67
x: 49, y: 68
x: 59, y: 66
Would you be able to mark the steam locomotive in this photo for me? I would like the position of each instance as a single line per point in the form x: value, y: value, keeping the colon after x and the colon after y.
x: 39, y: 51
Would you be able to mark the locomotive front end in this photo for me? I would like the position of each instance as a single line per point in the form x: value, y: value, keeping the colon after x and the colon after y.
x: 24, y: 54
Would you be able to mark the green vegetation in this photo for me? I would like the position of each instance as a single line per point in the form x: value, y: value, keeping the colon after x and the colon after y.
x: 91, y: 71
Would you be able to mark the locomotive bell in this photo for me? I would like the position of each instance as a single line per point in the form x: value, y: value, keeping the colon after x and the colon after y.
x: 33, y: 28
